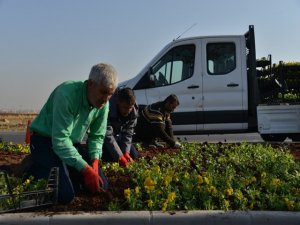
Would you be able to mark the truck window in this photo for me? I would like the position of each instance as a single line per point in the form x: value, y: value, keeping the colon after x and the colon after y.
x: 175, y: 66
x: 221, y: 58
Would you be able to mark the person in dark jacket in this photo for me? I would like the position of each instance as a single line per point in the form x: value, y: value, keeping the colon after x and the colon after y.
x: 155, y: 122
x: 122, y: 119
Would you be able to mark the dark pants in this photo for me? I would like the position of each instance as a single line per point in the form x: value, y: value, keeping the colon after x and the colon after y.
x: 149, y: 133
x: 44, y: 158
x: 108, y: 156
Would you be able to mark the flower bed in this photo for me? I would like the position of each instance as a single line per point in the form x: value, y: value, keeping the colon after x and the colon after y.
x: 200, y: 176
x: 217, y: 176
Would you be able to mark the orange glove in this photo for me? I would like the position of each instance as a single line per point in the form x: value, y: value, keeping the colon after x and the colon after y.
x: 123, y: 161
x: 128, y: 157
x: 91, y: 179
x: 95, y: 165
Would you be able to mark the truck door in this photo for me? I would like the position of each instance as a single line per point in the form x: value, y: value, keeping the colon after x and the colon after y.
x: 176, y: 72
x: 222, y: 79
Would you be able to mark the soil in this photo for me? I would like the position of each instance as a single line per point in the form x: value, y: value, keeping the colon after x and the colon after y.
x: 99, y: 202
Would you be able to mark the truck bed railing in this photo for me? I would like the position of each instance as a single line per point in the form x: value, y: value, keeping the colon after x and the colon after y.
x: 253, y: 95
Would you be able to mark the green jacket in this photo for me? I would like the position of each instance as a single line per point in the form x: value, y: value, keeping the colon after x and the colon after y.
x: 66, y: 117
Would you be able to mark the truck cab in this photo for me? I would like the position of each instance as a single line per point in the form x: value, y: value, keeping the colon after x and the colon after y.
x: 208, y: 75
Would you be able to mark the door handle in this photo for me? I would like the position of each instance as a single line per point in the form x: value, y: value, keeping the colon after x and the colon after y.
x: 193, y: 86
x: 232, y: 85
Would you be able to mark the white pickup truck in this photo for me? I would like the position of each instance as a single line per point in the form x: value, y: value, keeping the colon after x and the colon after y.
x: 215, y: 79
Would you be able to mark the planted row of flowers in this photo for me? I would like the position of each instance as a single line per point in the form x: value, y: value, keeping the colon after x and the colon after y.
x: 214, y: 176
x: 203, y: 176
x: 10, y: 147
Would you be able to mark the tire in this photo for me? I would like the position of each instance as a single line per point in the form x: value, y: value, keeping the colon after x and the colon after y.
x: 273, y: 137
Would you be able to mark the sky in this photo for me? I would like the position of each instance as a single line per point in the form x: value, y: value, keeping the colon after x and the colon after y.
x: 44, y: 43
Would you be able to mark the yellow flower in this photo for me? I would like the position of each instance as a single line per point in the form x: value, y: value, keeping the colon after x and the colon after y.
x: 176, y: 178
x: 170, y: 173
x: 149, y: 184
x: 229, y: 191
x: 275, y: 182
x: 127, y: 193
x: 146, y: 173
x: 253, y: 179
x: 137, y: 190
x: 165, y: 205
x: 230, y: 178
x: 27, y: 182
x: 226, y: 204
x: 199, y: 179
x: 289, y: 204
x: 239, y: 195
x: 212, y: 190
x: 150, y: 203
x: 206, y: 180
x: 186, y: 175
x: 156, y: 169
x: 167, y: 180
x: 171, y: 197
x: 246, y: 182
x: 204, y: 174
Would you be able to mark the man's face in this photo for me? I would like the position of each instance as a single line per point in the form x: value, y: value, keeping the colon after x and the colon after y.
x: 124, y: 108
x: 170, y: 106
x: 98, y: 95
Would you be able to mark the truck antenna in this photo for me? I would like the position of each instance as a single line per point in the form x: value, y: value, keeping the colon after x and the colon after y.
x: 185, y: 31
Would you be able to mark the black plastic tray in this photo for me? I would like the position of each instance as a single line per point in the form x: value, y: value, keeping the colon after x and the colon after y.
x: 14, y: 202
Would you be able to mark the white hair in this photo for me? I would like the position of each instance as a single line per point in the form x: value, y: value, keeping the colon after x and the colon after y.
x: 104, y: 74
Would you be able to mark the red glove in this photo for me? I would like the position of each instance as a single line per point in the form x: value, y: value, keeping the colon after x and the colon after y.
x: 128, y: 157
x: 95, y: 165
x: 91, y: 179
x: 123, y: 161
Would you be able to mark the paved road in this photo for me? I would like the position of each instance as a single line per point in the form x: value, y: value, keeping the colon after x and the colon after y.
x: 19, y: 137
x: 249, y: 137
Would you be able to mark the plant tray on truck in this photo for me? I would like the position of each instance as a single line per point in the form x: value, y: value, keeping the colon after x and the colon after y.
x: 29, y: 199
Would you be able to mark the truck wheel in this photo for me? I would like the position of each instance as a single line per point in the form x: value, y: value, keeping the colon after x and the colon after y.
x: 273, y: 137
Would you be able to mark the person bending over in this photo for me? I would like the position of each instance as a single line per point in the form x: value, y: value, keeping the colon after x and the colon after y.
x: 155, y: 122
x: 73, y: 108
x: 122, y: 119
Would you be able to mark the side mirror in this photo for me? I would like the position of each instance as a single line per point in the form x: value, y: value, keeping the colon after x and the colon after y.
x: 147, y: 81
x: 152, y: 78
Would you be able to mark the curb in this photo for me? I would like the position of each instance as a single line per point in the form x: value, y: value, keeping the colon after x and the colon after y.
x: 154, y: 218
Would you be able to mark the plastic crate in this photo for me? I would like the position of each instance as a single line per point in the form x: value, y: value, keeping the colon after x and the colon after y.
x: 14, y: 202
